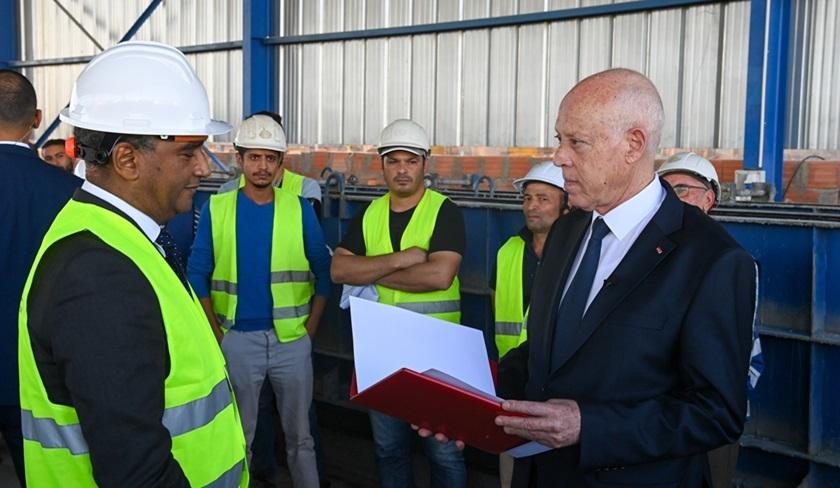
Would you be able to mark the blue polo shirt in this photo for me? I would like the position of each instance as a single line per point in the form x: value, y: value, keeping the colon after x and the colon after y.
x: 254, y: 228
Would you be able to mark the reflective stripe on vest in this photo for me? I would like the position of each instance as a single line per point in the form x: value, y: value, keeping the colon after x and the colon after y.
x: 508, y: 328
x: 225, y: 286
x: 443, y: 304
x: 291, y: 281
x: 197, y: 413
x: 291, y: 276
x: 509, y: 316
x: 177, y: 420
x: 451, y: 306
x: 229, y: 478
x: 199, y: 409
x: 48, y: 433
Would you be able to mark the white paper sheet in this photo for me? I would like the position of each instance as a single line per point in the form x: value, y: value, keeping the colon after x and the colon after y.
x: 387, y: 338
x: 527, y: 449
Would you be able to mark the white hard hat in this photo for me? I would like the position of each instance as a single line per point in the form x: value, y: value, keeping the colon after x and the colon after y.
x: 546, y: 172
x: 143, y: 88
x: 261, y: 132
x: 694, y: 165
x: 404, y: 135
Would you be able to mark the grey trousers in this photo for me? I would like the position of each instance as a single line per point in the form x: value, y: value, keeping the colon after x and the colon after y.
x: 250, y: 357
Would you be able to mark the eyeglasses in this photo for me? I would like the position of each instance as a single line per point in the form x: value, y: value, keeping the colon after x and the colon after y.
x: 682, y: 190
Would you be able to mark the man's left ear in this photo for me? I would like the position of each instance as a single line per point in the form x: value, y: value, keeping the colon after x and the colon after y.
x: 636, y: 144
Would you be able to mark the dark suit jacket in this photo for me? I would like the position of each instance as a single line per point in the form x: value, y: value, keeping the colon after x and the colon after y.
x: 99, y: 342
x: 658, y: 363
x: 32, y: 194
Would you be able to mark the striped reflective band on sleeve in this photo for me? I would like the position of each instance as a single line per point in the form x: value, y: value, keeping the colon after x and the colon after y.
x: 509, y: 328
x: 290, y: 276
x: 224, y: 321
x: 292, y: 312
x: 197, y: 413
x: 228, y: 287
x: 230, y: 478
x: 448, y: 306
x: 49, y: 434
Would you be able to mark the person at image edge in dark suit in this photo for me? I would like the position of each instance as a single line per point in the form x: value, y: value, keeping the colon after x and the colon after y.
x: 636, y: 355
x: 33, y: 193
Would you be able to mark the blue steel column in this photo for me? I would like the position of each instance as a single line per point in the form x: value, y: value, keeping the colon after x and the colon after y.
x: 9, y: 35
x: 258, y: 60
x: 767, y: 78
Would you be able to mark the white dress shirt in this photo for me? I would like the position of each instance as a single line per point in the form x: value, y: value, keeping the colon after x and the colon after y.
x: 146, y: 223
x: 16, y: 143
x: 625, y: 222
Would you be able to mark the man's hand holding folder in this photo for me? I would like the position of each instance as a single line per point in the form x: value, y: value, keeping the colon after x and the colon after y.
x: 430, y: 373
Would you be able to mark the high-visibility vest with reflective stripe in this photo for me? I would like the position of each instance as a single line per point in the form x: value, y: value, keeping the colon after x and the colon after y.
x: 443, y: 304
x: 510, y: 317
x: 292, y: 182
x: 291, y: 282
x: 200, y: 412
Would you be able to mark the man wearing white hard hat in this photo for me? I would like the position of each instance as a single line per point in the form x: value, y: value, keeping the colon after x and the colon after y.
x: 122, y: 381
x: 543, y: 202
x: 288, y: 180
x: 409, y: 244
x: 695, y: 181
x: 693, y: 178
x: 253, y: 258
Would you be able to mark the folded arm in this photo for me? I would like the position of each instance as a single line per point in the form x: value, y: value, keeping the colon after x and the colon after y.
x: 350, y: 269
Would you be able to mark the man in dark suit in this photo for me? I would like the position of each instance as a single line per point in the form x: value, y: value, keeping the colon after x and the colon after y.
x: 635, y: 361
x: 122, y: 381
x: 33, y: 193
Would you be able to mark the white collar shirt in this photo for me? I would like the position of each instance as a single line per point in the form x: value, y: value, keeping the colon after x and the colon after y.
x: 146, y: 223
x: 17, y: 143
x: 625, y: 222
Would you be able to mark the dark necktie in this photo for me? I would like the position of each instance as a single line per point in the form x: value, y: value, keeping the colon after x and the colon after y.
x: 173, y: 255
x: 573, y: 304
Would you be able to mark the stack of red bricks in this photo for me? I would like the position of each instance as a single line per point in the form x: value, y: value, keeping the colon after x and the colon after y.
x: 815, y: 180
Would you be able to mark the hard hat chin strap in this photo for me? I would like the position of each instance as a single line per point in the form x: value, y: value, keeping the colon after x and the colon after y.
x: 101, y: 151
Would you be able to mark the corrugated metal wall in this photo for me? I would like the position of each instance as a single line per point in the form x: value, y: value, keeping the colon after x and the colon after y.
x: 498, y: 87
x: 814, y: 98
x: 48, y: 33
x: 502, y: 86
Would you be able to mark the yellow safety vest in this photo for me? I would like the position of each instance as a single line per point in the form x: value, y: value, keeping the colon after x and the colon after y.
x: 199, y: 410
x: 510, y: 317
x: 292, y: 286
x: 443, y: 304
x: 292, y: 182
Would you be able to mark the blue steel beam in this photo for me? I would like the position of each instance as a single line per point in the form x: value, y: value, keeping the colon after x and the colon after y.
x: 9, y: 36
x: 767, y: 78
x: 492, y: 22
x: 128, y: 35
x: 191, y: 49
x: 259, y: 76
x: 153, y: 5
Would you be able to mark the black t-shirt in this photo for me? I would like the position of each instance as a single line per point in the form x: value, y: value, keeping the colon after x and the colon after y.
x: 448, y: 234
x: 530, y: 263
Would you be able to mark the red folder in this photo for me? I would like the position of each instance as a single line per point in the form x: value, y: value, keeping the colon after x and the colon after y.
x: 439, y: 406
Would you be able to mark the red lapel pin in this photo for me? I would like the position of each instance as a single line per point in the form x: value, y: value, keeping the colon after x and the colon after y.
x: 659, y: 250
